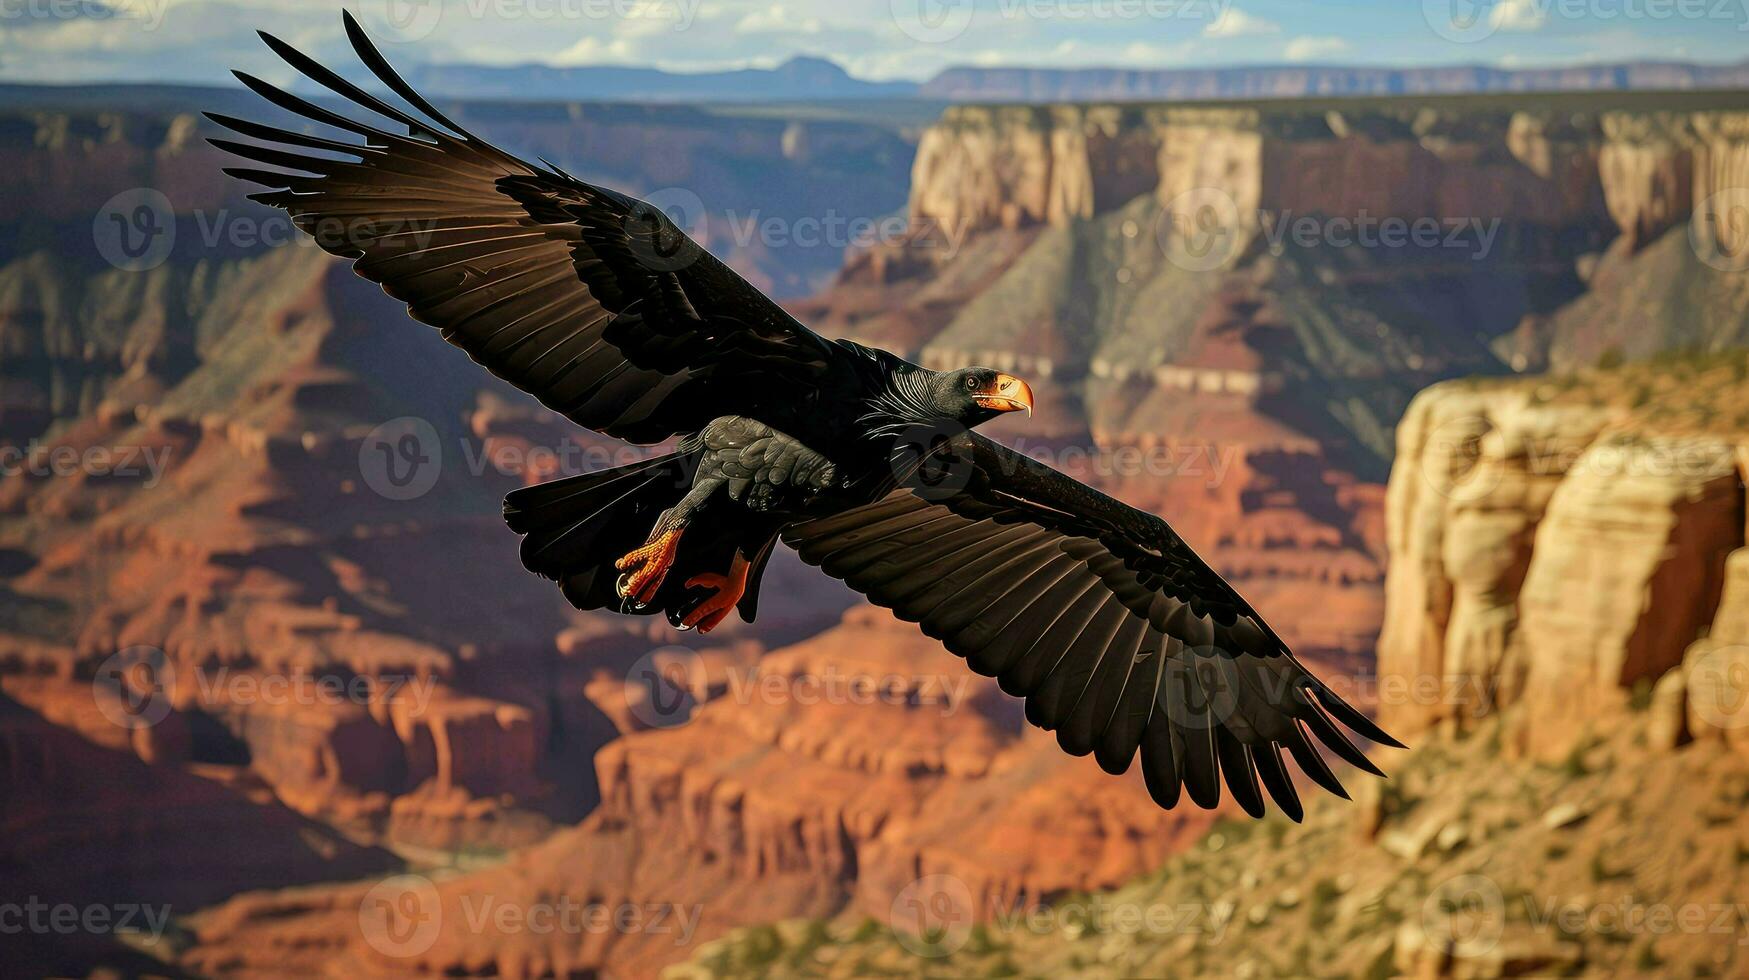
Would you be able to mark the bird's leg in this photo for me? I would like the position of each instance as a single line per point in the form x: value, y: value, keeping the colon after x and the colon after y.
x: 729, y: 588
x: 647, y: 566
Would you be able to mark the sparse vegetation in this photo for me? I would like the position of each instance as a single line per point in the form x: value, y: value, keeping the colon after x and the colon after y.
x: 1319, y: 901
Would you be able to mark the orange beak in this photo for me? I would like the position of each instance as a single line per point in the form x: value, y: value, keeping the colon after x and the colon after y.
x: 1007, y: 394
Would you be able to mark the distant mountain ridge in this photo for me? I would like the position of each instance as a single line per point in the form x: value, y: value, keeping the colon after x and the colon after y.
x: 799, y: 78
x: 1294, y: 81
x: 804, y: 78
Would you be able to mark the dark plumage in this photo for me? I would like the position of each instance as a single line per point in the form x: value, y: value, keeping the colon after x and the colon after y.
x: 1117, y: 635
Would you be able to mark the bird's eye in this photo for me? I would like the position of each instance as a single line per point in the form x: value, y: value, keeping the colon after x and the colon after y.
x: 971, y: 383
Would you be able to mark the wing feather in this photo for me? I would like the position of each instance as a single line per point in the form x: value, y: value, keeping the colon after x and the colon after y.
x: 1119, y: 637
x: 594, y: 302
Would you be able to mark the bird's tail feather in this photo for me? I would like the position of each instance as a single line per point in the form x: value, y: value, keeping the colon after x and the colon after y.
x: 575, y: 528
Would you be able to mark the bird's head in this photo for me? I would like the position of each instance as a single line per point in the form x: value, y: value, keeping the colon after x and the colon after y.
x: 977, y: 394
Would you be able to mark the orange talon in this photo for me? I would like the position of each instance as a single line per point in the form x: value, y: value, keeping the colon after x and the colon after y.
x: 651, y: 564
x: 729, y: 588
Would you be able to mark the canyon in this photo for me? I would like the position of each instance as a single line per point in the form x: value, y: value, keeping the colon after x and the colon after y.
x: 287, y: 673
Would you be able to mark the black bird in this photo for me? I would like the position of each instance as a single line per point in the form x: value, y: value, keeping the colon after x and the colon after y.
x: 1117, y: 635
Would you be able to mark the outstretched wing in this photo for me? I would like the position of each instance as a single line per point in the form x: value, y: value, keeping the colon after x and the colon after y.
x: 1117, y: 635
x: 595, y: 303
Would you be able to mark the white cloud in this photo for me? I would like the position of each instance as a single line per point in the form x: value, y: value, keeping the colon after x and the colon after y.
x: 590, y: 50
x: 1157, y: 55
x: 1309, y: 48
x: 1238, y: 23
x: 1518, y: 15
x: 776, y: 20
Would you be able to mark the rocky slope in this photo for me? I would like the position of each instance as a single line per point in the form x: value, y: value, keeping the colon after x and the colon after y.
x: 1626, y: 858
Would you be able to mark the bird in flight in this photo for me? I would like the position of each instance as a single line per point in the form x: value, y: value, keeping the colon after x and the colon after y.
x: 1117, y: 635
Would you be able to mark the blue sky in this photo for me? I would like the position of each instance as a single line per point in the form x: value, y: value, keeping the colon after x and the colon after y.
x: 195, y: 40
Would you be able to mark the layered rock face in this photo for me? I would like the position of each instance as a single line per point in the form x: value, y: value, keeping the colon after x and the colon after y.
x: 821, y: 781
x: 1563, y: 543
